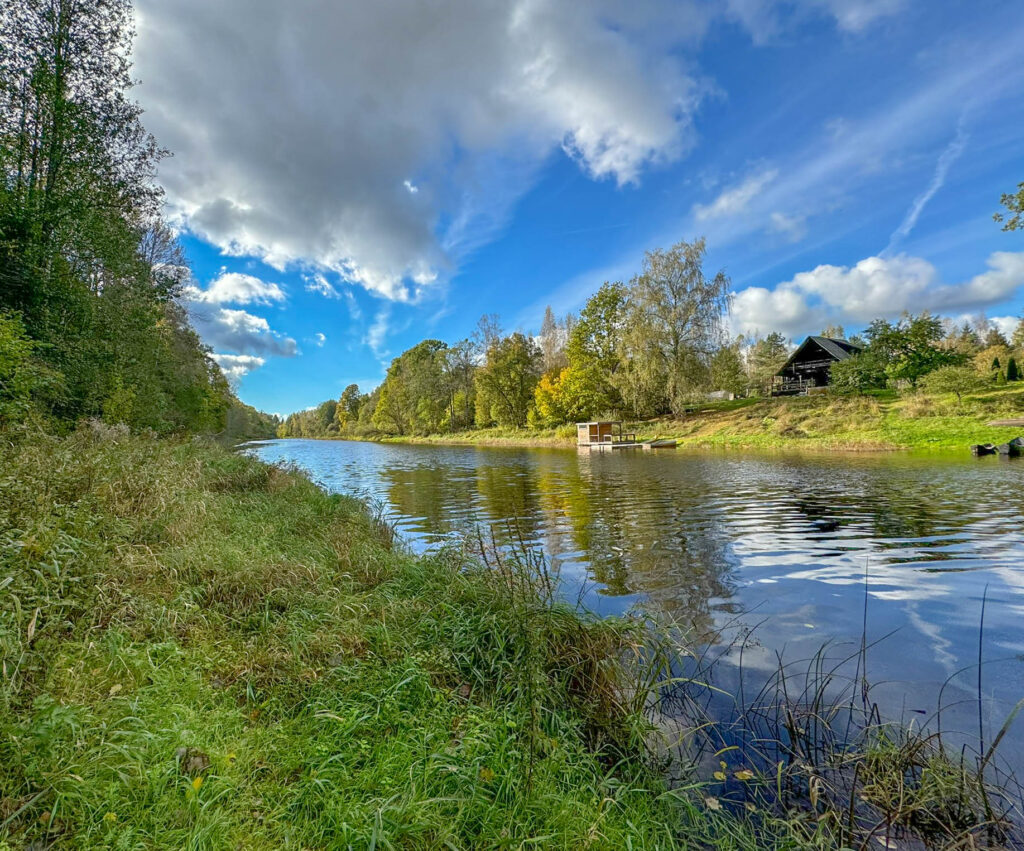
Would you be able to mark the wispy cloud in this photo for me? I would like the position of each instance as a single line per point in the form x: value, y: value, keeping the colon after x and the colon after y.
x: 318, y: 283
x: 736, y: 199
x: 377, y: 334
x: 946, y: 159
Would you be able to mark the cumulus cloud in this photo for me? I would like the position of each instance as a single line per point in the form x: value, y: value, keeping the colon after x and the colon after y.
x: 352, y: 136
x: 320, y: 338
x: 235, y: 288
x: 874, y: 287
x: 239, y: 332
x: 236, y: 366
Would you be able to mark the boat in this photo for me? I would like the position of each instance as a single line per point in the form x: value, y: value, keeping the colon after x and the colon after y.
x: 661, y: 443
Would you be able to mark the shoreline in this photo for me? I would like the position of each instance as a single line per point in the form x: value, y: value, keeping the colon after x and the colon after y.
x: 281, y: 670
x: 821, y: 424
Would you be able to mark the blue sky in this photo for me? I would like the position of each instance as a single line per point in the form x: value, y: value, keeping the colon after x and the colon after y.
x: 352, y: 178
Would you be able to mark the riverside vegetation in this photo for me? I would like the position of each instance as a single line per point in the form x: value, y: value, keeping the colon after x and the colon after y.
x: 199, y: 650
x: 884, y: 420
x: 651, y: 352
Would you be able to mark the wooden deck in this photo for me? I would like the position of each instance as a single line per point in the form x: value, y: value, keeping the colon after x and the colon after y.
x: 604, y: 436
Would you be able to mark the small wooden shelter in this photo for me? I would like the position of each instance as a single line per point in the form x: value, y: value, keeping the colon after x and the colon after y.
x: 604, y: 435
x: 810, y: 365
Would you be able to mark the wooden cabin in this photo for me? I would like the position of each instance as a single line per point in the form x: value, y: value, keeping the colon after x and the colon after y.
x: 604, y: 435
x: 811, y: 364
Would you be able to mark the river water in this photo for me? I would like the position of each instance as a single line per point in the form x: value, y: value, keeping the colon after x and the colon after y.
x: 790, y: 547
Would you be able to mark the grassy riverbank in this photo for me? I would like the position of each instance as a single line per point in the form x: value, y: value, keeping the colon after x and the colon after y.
x: 202, y: 651
x: 837, y: 423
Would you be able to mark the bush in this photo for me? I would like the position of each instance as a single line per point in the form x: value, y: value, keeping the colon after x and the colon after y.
x: 858, y: 374
x: 1012, y: 370
x: 952, y: 379
x: 23, y: 380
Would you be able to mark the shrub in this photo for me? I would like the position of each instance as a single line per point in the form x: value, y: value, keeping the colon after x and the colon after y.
x: 858, y: 374
x: 23, y: 380
x: 1012, y: 370
x: 951, y: 379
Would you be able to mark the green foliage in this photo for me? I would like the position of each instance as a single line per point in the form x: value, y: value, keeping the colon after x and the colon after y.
x: 505, y: 382
x: 414, y: 396
x: 577, y: 393
x: 964, y: 340
x: 995, y: 337
x: 728, y: 371
x: 84, y: 257
x: 951, y: 379
x: 24, y: 381
x: 859, y: 373
x: 594, y: 347
x: 909, y: 348
x: 1017, y: 340
x: 765, y: 358
x: 1012, y: 370
x: 1014, y: 203
x: 673, y: 325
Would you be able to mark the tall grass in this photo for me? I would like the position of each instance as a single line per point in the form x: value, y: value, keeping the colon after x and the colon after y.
x: 198, y: 650
x: 201, y: 651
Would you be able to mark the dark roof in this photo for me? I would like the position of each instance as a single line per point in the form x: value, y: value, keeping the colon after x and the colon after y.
x: 838, y: 349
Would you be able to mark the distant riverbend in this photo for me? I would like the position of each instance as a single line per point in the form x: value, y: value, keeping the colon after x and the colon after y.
x: 789, y: 544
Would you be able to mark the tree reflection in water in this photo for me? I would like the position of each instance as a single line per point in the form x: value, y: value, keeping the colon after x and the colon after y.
x: 790, y: 542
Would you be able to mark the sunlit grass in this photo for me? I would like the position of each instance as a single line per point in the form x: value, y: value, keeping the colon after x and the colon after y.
x: 202, y: 651
x: 880, y: 421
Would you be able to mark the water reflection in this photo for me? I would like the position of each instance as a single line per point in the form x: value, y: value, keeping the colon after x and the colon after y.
x: 791, y: 542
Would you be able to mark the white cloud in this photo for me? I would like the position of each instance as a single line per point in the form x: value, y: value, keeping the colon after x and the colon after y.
x: 1006, y: 324
x: 296, y: 126
x: 236, y: 366
x: 736, y: 199
x: 758, y: 310
x: 378, y: 332
x: 857, y: 15
x: 318, y: 283
x: 240, y: 332
x: 874, y: 287
x: 235, y: 288
x: 320, y: 338
x: 946, y: 159
x: 764, y: 18
x: 353, y: 306
x: 794, y: 228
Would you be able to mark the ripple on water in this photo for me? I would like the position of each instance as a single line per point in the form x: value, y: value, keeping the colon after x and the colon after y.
x: 792, y: 543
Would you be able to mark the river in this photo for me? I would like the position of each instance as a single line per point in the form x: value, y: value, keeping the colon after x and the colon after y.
x: 789, y: 547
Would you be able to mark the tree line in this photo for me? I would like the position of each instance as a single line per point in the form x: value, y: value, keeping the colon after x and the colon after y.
x: 91, y: 277
x: 654, y: 346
